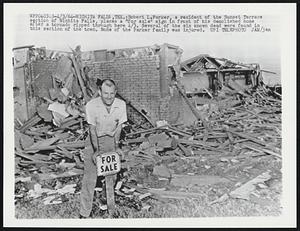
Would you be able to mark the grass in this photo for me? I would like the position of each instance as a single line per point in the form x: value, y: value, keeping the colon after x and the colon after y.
x: 267, y: 204
x: 174, y: 208
x: 36, y: 209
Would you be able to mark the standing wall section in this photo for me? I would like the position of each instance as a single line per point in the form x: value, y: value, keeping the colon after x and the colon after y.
x: 41, y: 72
x: 172, y: 105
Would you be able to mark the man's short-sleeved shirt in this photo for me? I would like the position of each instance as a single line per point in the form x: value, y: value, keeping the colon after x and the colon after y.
x: 97, y: 115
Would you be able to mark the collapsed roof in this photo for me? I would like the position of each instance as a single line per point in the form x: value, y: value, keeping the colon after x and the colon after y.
x: 205, y: 62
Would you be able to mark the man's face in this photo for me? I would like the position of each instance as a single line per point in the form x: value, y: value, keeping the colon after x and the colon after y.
x: 108, y: 94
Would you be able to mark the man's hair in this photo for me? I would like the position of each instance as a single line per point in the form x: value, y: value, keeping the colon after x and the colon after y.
x: 107, y: 82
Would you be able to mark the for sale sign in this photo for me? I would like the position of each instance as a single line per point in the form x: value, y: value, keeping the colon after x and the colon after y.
x: 108, y: 163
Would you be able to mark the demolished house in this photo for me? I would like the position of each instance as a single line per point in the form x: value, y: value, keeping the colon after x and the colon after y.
x: 203, y: 73
x: 143, y: 76
x: 173, y: 142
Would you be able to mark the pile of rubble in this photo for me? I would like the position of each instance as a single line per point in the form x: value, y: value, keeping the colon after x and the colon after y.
x: 233, y: 131
x: 236, y: 135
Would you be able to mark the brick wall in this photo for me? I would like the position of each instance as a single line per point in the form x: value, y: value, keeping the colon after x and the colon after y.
x: 137, y: 80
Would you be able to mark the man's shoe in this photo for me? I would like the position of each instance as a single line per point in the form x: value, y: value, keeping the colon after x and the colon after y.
x: 82, y: 217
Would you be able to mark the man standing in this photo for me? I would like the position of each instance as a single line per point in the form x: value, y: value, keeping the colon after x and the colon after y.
x: 105, y: 116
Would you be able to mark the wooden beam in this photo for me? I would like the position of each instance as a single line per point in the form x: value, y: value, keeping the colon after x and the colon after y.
x: 65, y: 152
x: 193, y: 109
x: 163, y: 70
x: 262, y: 150
x: 32, y: 159
x: 174, y: 194
x: 248, y: 137
x: 78, y: 144
x: 31, y: 122
x: 197, y: 143
x: 78, y: 74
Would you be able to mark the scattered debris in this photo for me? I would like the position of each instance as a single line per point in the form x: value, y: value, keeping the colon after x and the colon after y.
x: 186, y: 180
x: 221, y: 199
x: 244, y: 191
x: 162, y: 171
x: 235, y: 130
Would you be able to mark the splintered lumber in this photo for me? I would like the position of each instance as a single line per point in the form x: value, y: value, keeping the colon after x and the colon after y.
x: 193, y: 109
x: 36, y: 162
x: 24, y: 155
x: 251, y: 138
x: 31, y: 122
x: 145, y: 157
x: 43, y: 157
x: 273, y: 100
x: 51, y: 176
x: 164, y: 127
x: 258, y: 116
x: 197, y: 143
x: 174, y: 194
x: 182, y: 133
x: 244, y: 191
x: 141, y: 113
x: 32, y: 159
x: 78, y: 144
x: 207, y: 152
x: 25, y: 140
x: 62, y: 136
x: 223, y: 145
x: 160, y: 140
x: 69, y: 123
x: 262, y: 150
x: 67, y: 120
x: 33, y: 133
x: 64, y: 152
x: 42, y: 143
x: 144, y: 190
x: 134, y: 141
x: 48, y: 100
x: 187, y: 180
x: 212, y: 136
x: 230, y: 137
x: 276, y: 93
x: 80, y: 80
x: 210, y: 95
x: 186, y: 151
x: 146, y: 131
x: 205, y: 136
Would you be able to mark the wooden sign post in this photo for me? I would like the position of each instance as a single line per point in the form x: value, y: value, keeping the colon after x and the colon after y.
x: 110, y: 194
x: 108, y: 165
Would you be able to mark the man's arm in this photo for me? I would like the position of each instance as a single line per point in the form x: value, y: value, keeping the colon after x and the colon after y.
x: 94, y: 139
x: 117, y: 135
x: 90, y: 118
x: 121, y: 121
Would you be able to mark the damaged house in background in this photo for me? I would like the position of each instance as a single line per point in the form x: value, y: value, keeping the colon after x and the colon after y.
x: 206, y: 77
x: 203, y: 73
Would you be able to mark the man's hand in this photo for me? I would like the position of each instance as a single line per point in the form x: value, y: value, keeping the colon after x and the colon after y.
x: 94, y: 139
x: 94, y: 157
x: 121, y: 153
